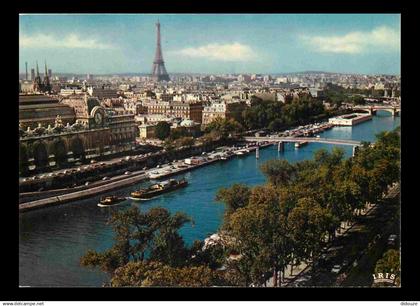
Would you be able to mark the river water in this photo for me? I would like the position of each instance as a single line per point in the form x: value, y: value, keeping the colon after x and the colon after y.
x: 52, y: 240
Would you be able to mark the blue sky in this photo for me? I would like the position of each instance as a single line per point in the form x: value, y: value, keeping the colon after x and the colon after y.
x: 213, y: 43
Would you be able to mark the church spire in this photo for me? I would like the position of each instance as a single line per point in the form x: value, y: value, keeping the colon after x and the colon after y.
x: 37, y: 69
x: 47, y: 85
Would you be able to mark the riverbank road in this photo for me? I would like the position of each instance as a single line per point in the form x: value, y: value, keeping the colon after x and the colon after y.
x: 349, y: 248
x: 118, y: 182
x: 350, y: 243
x: 81, y: 168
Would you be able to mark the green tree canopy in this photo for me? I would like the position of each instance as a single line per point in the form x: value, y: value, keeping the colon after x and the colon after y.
x: 390, y: 263
x: 224, y: 127
x: 136, y: 233
x: 234, y: 197
x: 163, y: 129
x: 156, y: 274
x: 279, y: 172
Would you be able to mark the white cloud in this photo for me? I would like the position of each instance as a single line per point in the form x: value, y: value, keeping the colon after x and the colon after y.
x: 385, y: 38
x: 73, y: 41
x: 221, y: 52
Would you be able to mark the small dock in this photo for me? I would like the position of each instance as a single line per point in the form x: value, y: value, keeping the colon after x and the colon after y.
x: 201, y: 161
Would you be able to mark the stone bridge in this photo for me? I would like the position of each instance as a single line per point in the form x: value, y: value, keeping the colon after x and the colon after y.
x: 282, y: 140
x: 371, y: 109
x: 308, y: 139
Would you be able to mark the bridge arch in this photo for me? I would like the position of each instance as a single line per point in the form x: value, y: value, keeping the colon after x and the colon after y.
x: 389, y: 110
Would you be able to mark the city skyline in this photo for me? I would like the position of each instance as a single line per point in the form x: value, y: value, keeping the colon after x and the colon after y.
x: 213, y: 44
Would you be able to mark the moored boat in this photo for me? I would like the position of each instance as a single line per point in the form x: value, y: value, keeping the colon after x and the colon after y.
x: 110, y: 201
x: 158, y: 189
x: 300, y: 144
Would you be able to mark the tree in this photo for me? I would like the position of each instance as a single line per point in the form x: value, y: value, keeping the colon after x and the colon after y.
x: 178, y: 133
x: 358, y: 100
x: 136, y: 234
x: 212, y: 256
x: 224, y: 127
x: 169, y: 145
x: 390, y: 263
x: 308, y: 223
x: 323, y: 157
x: 168, y: 246
x: 236, y: 196
x: 185, y: 142
x: 286, y: 220
x: 260, y: 236
x: 162, y: 130
x: 278, y: 172
x: 276, y: 124
x: 152, y: 274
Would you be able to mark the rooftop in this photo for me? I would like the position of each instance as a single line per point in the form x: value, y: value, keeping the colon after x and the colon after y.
x: 36, y: 99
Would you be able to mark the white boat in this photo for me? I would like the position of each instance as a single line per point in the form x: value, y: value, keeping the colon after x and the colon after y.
x: 155, y: 174
x: 239, y: 153
x: 300, y: 144
x: 137, y: 199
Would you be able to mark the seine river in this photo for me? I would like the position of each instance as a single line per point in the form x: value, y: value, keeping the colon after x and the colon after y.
x: 52, y: 240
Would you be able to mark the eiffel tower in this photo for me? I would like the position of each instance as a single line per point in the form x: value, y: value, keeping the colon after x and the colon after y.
x: 159, y: 71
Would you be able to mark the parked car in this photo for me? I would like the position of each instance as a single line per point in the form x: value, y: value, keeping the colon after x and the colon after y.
x: 127, y: 172
x: 93, y: 161
x: 105, y: 178
x: 392, y: 239
x: 301, y: 281
x: 336, y: 269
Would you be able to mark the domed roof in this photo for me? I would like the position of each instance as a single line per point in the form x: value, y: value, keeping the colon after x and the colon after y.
x: 187, y: 123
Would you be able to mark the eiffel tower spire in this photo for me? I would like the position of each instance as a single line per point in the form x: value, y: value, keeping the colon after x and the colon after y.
x: 159, y: 71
